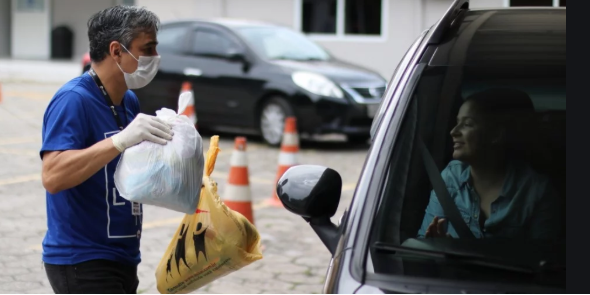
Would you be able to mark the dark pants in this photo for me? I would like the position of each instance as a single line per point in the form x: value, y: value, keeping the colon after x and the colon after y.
x: 95, y: 276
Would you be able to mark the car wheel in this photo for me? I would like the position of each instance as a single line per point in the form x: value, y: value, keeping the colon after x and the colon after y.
x: 272, y: 120
x: 358, y: 139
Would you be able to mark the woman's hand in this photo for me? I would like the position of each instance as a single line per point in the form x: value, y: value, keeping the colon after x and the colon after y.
x: 436, y: 229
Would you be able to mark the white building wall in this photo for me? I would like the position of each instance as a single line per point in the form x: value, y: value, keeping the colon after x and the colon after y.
x: 487, y: 3
x: 30, y: 32
x: 274, y: 11
x: 175, y: 9
x: 433, y: 11
x: 406, y: 19
x: 75, y: 15
x: 403, y: 27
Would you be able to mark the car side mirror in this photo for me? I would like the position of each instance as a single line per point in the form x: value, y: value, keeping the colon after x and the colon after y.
x: 236, y: 55
x: 313, y: 192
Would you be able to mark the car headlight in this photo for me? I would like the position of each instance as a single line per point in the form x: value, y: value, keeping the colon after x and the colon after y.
x: 317, y: 84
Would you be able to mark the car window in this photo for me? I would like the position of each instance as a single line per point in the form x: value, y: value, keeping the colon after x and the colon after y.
x: 496, y: 135
x: 170, y: 39
x: 282, y: 43
x: 395, y: 79
x: 209, y: 42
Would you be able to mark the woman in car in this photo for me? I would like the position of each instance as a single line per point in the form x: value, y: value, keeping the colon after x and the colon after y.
x: 496, y: 191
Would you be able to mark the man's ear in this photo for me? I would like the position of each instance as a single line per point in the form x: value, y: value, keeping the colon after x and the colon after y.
x: 115, y: 51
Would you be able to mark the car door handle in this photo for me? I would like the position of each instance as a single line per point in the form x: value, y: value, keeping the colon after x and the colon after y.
x: 192, y: 72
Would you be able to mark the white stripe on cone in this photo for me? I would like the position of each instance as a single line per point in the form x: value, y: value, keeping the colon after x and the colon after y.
x: 238, y: 159
x: 287, y: 159
x: 290, y: 139
x: 193, y: 116
x: 237, y: 193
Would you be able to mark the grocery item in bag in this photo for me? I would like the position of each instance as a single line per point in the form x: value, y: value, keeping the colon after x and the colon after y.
x: 167, y: 176
x: 209, y: 244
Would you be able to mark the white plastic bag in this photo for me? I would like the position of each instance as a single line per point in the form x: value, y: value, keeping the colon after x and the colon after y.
x: 168, y: 176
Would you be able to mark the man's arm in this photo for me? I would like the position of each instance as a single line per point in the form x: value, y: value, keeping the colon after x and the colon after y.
x: 67, y: 161
x: 66, y: 169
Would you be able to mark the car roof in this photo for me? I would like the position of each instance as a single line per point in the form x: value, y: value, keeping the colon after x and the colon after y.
x: 230, y: 23
x: 523, y: 19
x: 507, y: 36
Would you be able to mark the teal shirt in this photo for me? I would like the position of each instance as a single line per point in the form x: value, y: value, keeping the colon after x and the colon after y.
x: 526, y: 208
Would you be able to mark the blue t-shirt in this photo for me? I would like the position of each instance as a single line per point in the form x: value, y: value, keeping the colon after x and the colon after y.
x: 89, y: 221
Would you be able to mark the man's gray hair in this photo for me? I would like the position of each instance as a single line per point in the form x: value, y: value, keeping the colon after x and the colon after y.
x: 118, y: 23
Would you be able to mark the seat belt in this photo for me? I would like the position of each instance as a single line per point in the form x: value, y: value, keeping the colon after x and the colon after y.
x: 442, y: 194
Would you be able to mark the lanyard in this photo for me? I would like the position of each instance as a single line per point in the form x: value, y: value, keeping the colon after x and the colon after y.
x: 108, y: 99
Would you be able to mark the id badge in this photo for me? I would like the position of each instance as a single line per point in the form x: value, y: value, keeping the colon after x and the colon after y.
x: 135, y: 209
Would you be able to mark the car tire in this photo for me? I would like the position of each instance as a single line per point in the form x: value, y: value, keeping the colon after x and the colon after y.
x: 271, y: 120
x: 358, y: 139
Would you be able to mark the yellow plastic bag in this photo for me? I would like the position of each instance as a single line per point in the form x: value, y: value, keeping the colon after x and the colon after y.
x: 209, y: 244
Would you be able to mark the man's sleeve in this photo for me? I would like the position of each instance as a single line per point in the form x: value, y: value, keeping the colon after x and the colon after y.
x: 64, y: 124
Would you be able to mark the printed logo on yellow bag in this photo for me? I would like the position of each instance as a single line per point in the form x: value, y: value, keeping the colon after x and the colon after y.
x: 209, y: 244
x: 180, y: 251
x: 199, y: 237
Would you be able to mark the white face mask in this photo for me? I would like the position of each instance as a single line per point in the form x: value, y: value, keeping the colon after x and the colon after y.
x: 147, y: 67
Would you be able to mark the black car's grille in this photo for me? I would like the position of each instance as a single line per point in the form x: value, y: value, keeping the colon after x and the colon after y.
x: 373, y: 92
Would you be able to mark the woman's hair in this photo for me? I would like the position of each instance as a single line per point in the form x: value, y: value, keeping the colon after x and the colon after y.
x: 510, y: 112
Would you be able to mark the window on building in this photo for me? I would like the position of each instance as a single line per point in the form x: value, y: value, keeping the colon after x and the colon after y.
x: 319, y: 16
x: 363, y: 17
x: 342, y: 17
x: 562, y: 3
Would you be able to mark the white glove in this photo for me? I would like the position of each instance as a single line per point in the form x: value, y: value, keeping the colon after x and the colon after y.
x: 143, y: 127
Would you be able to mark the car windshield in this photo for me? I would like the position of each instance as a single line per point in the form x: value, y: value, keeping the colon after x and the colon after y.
x: 282, y: 43
x: 495, y: 136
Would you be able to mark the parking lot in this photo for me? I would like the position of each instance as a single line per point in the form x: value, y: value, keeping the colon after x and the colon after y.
x: 294, y: 260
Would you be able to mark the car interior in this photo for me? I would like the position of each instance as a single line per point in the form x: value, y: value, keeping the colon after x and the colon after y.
x: 431, y: 115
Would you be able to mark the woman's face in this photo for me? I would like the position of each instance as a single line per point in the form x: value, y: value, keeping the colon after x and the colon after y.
x: 469, y: 135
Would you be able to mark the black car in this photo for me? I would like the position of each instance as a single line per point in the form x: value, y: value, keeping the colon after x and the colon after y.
x: 480, y: 96
x: 249, y: 76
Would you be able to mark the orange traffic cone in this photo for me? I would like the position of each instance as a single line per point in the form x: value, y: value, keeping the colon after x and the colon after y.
x: 190, y: 109
x: 237, y: 195
x: 287, y: 156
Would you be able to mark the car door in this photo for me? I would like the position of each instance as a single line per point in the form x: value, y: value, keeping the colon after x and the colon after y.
x: 220, y: 82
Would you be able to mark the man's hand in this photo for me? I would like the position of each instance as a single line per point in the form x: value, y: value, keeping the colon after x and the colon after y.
x: 435, y: 229
x: 143, y: 127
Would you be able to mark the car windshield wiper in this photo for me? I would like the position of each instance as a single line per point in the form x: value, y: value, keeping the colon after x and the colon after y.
x: 468, y: 259
x: 313, y: 59
x: 283, y: 57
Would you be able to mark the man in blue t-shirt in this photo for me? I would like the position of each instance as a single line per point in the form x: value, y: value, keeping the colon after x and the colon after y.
x: 92, y: 241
